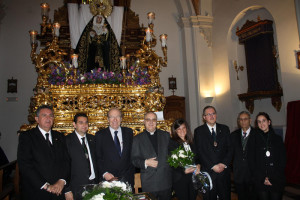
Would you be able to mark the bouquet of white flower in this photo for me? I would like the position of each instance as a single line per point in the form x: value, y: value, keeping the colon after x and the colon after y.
x: 181, y: 158
x: 108, y: 191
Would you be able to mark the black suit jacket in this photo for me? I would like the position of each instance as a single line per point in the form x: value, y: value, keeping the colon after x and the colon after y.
x: 262, y: 166
x: 39, y: 163
x: 153, y: 179
x: 80, y: 171
x: 241, y: 172
x: 208, y: 154
x: 108, y: 158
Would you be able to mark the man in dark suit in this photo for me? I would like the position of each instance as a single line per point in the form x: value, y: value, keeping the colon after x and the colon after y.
x: 213, y: 147
x: 149, y: 153
x: 42, y: 159
x: 241, y: 172
x: 81, y: 149
x: 113, y: 148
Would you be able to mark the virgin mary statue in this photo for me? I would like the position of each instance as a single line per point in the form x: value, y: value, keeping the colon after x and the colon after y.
x: 98, y: 46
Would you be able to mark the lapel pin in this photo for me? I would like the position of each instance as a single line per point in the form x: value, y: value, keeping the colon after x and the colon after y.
x: 215, y: 144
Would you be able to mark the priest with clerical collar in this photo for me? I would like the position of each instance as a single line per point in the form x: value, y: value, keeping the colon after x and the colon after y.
x: 150, y: 153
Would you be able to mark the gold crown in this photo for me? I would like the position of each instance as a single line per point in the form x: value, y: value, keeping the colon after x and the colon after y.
x: 101, y: 7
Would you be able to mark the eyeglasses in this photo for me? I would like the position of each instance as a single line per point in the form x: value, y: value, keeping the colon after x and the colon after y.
x: 210, y: 114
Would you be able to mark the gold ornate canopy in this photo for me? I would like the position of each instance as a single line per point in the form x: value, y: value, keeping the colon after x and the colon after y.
x: 101, y: 7
x: 135, y: 91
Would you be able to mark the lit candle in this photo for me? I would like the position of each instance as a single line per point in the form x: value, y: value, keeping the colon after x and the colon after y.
x: 45, y: 9
x: 163, y: 39
x: 123, y: 62
x: 56, y: 27
x: 74, y: 58
x: 151, y: 17
x: 33, y: 35
x: 148, y: 34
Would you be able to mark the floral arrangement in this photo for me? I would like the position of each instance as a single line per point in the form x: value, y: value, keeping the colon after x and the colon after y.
x: 65, y: 76
x: 181, y: 158
x: 108, y: 191
x: 98, y: 76
x: 57, y: 75
x: 139, y: 76
x: 202, y: 182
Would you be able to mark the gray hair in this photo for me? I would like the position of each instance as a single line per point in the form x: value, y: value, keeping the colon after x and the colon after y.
x: 37, y: 112
x: 244, y: 112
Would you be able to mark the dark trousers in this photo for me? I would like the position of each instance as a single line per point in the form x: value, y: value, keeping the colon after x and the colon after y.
x: 221, y: 187
x: 184, y: 189
x: 269, y: 195
x: 163, y: 194
x: 245, y: 191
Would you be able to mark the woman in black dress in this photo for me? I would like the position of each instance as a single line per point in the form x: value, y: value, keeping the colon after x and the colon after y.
x: 182, y: 178
x: 267, y: 160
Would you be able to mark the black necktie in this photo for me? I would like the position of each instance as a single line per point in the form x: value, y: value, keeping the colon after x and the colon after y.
x: 86, y: 153
x: 47, y: 139
x: 213, y: 133
x: 117, y: 142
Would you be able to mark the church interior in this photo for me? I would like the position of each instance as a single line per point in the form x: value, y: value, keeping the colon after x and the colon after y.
x: 210, y: 48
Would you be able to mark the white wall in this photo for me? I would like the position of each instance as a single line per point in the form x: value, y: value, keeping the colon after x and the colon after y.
x: 20, y: 17
x: 283, y: 13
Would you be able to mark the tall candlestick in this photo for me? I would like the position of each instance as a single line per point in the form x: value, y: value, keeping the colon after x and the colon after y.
x: 151, y: 17
x: 148, y: 34
x: 74, y: 58
x: 163, y: 39
x: 123, y: 62
x: 45, y: 11
x: 33, y: 35
x: 56, y: 27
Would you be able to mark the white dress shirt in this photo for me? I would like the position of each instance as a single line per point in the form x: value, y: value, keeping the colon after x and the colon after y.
x: 248, y: 131
x: 44, y: 134
x: 50, y: 139
x: 119, y: 134
x: 92, y: 176
x: 214, y: 127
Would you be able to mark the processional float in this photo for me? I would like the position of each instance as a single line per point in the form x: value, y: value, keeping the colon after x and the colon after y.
x: 135, y: 89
